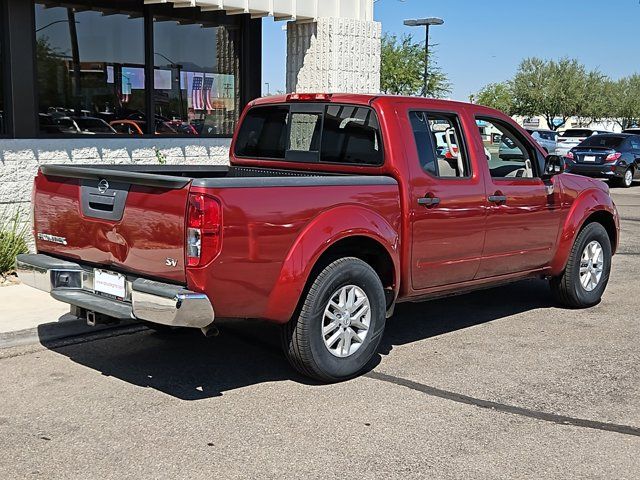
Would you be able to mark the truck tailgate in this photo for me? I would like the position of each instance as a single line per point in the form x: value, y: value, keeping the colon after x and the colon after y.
x: 124, y: 221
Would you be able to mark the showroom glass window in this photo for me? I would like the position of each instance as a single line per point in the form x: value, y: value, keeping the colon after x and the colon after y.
x: 196, y: 80
x: 2, y: 111
x: 90, y: 67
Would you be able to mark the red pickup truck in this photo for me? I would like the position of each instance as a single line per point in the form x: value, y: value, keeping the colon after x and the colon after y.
x: 334, y: 208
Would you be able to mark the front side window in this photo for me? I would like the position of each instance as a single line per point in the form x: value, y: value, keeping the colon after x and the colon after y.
x: 196, y: 84
x: 341, y: 134
x: 90, y: 69
x: 439, y: 144
x: 508, y: 154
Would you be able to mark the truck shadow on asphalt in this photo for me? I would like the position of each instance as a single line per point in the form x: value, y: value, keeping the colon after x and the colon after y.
x: 186, y: 365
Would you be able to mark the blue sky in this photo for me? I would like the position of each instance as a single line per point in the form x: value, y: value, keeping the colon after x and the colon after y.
x: 483, y: 41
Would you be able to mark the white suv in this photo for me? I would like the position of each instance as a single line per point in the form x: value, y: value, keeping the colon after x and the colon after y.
x: 573, y: 137
x: 547, y: 139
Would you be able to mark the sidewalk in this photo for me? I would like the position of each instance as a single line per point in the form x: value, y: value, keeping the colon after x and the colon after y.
x: 30, y: 316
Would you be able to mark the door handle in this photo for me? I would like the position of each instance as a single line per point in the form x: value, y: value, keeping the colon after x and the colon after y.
x: 497, y: 198
x: 428, y: 201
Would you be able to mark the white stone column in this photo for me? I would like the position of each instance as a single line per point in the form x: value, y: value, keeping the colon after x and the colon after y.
x: 333, y: 55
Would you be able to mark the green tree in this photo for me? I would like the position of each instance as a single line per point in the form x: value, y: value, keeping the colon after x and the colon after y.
x: 498, y: 96
x: 624, y: 96
x: 594, y: 102
x: 553, y: 89
x: 402, y: 69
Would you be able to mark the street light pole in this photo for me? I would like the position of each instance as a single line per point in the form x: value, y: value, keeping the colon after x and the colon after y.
x: 426, y: 22
x: 426, y: 61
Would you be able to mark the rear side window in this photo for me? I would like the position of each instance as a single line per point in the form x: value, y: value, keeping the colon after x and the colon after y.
x: 351, y: 135
x: 439, y: 144
x: 603, y: 141
x: 343, y: 134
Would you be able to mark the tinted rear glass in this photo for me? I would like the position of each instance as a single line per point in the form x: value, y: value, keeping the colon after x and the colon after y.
x: 573, y: 133
x: 263, y: 133
x: 602, y: 141
x: 344, y: 134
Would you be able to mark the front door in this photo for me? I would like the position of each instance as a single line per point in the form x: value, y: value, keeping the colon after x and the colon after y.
x: 446, y: 202
x: 523, y: 211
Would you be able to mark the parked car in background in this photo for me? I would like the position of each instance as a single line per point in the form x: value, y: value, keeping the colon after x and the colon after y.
x: 55, y: 124
x: 126, y: 127
x: 614, y: 155
x: 572, y: 137
x: 634, y: 130
x: 333, y: 209
x: 93, y: 126
x: 547, y: 139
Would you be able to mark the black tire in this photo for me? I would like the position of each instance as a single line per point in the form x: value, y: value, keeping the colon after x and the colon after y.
x: 624, y: 182
x: 302, y: 337
x: 567, y: 288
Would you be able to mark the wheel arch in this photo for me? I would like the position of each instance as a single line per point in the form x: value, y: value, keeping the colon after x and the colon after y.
x: 592, y: 206
x: 368, y: 236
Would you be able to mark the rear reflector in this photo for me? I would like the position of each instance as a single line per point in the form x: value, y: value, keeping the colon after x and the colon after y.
x: 308, y: 97
x: 204, y: 230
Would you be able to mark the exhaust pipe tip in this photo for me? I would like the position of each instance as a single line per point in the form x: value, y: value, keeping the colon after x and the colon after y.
x: 210, y: 331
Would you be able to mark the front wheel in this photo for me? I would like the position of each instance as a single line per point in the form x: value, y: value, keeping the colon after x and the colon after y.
x: 584, y: 280
x: 339, y: 326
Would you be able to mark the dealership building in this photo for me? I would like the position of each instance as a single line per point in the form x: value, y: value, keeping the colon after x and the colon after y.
x: 158, y: 81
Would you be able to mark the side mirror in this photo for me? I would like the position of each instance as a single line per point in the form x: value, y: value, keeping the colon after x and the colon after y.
x: 553, y: 165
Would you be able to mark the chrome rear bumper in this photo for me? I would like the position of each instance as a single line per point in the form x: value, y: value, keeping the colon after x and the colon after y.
x: 147, y: 300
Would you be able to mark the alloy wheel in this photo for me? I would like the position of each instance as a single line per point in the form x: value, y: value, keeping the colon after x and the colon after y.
x: 346, y: 321
x: 591, y: 265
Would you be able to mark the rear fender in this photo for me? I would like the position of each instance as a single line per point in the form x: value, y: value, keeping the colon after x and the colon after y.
x: 590, y: 202
x: 320, y: 234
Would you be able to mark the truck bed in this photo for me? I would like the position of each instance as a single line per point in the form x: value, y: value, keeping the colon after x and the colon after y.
x: 137, y: 225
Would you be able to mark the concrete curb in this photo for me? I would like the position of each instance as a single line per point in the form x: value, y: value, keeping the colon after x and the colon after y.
x: 56, y: 332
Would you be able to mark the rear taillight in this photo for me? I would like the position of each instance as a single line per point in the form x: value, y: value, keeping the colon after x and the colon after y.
x: 204, y: 229
x: 613, y: 157
x: 570, y: 155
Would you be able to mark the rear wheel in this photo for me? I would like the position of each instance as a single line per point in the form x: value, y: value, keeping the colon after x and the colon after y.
x: 627, y: 179
x: 339, y: 326
x: 587, y: 274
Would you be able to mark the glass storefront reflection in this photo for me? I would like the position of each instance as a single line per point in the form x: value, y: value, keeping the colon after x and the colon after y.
x: 195, y: 77
x: 90, y: 70
x: 2, y: 114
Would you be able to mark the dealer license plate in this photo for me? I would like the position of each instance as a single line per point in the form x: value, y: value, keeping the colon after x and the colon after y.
x: 113, y: 284
x: 589, y: 158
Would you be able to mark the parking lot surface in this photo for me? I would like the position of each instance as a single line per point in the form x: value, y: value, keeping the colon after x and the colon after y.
x: 493, y: 384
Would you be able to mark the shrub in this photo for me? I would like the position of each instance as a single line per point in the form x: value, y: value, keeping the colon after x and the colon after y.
x: 13, y: 240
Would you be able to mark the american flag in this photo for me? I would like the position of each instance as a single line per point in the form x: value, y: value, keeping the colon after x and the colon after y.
x: 196, y: 94
x: 208, y: 86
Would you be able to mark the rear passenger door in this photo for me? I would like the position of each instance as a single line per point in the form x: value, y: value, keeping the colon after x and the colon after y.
x: 447, y: 207
x: 523, y: 217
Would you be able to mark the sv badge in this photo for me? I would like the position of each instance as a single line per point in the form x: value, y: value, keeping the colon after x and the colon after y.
x: 171, y: 262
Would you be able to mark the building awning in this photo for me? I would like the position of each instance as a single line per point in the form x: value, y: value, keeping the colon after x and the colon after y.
x: 301, y: 10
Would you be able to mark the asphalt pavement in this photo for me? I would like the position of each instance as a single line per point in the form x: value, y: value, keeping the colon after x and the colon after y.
x: 494, y: 384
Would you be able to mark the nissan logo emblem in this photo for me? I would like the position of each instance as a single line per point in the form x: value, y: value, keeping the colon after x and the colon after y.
x: 103, y: 186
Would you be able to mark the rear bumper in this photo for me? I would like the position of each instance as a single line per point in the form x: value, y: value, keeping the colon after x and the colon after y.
x: 146, y: 300
x: 596, y: 171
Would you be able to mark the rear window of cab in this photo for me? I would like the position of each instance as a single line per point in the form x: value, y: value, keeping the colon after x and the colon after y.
x: 323, y: 133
